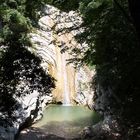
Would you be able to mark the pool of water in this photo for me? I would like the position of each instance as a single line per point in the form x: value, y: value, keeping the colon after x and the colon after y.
x: 67, y: 121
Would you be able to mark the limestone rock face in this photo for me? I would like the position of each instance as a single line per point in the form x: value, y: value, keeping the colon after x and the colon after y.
x: 50, y: 42
x: 85, y: 93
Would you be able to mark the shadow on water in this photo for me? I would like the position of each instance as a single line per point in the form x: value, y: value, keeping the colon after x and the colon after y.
x: 37, y: 134
x: 61, y: 123
x: 67, y: 121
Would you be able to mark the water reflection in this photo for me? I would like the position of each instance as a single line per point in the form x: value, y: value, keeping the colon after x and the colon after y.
x: 67, y: 121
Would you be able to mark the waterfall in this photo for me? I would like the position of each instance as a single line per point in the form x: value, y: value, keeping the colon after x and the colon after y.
x: 49, y: 42
x: 66, y: 98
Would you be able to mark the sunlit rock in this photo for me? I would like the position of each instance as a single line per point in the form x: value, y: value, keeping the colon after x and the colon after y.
x: 72, y: 85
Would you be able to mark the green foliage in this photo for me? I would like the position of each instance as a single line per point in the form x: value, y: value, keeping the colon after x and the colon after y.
x: 17, y: 19
x: 114, y: 48
x: 65, y: 5
x: 16, y: 26
x: 20, y: 75
x: 34, y: 9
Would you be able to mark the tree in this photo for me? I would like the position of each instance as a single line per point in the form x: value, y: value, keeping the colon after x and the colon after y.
x: 20, y: 75
x: 113, y: 47
x: 17, y: 19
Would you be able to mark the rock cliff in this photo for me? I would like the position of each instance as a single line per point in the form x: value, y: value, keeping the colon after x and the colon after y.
x: 51, y: 43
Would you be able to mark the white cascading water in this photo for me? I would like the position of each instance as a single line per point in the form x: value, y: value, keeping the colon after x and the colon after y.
x: 66, y: 98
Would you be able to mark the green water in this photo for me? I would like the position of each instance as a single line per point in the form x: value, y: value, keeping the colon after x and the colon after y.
x: 67, y: 121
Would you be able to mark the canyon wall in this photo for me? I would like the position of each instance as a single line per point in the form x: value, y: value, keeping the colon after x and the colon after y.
x: 50, y: 42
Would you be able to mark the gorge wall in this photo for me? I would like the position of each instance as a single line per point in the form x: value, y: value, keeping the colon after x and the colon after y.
x: 50, y: 42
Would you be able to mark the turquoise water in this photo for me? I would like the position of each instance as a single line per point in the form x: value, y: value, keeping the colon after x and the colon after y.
x: 67, y: 120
